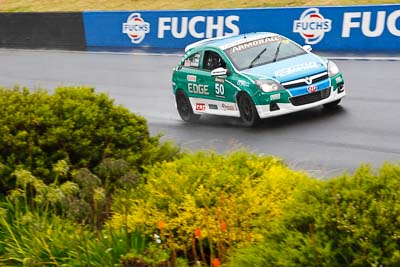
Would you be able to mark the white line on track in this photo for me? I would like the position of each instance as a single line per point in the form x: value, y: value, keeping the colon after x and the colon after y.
x: 372, y: 58
x: 365, y: 58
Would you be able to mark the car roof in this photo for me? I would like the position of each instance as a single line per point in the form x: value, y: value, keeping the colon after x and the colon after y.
x: 230, y: 41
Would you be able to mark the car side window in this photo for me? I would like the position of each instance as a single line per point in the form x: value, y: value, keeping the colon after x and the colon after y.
x: 192, y: 61
x: 213, y: 60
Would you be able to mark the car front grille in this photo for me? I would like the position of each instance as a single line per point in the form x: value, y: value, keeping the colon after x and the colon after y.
x: 310, y: 98
x: 302, y: 82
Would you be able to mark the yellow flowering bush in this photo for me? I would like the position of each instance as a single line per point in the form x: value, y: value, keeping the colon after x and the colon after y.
x: 207, y: 202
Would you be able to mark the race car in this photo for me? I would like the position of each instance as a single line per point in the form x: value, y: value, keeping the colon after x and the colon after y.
x: 253, y: 76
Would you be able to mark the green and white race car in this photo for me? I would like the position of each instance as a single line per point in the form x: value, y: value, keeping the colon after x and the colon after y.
x: 253, y: 76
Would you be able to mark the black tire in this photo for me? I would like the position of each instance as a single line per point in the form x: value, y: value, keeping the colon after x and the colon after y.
x: 248, y: 112
x: 332, y: 105
x: 184, y: 108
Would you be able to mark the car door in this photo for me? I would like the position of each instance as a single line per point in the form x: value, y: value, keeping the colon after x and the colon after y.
x: 192, y: 77
x: 221, y: 88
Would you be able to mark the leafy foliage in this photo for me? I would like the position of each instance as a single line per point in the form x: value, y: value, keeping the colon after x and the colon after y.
x: 169, y: 208
x: 33, y: 234
x: 347, y: 221
x: 76, y: 125
x: 204, y: 205
x: 235, y: 210
x: 34, y: 239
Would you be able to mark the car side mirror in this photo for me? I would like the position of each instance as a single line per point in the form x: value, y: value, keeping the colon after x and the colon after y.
x: 308, y: 48
x: 220, y: 72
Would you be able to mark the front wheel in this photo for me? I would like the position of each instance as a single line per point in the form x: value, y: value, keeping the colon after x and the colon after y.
x: 332, y: 105
x: 185, y: 108
x: 248, y: 112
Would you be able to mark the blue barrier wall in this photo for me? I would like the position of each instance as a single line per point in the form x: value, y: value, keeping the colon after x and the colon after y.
x: 365, y: 28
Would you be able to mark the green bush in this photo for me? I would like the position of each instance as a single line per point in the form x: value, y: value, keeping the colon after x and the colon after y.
x: 33, y: 234
x: 74, y: 124
x: 237, y: 210
x: 234, y: 210
x: 347, y: 221
x: 202, y: 206
x: 37, y: 240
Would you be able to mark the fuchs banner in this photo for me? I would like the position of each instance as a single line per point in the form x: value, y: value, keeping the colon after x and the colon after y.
x: 373, y: 28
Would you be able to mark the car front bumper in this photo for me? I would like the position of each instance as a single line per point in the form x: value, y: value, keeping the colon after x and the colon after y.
x: 277, y: 109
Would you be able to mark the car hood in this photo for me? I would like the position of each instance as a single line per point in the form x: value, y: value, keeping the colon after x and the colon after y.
x: 289, y: 69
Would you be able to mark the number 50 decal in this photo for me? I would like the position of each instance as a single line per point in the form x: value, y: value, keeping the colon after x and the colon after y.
x: 219, y: 89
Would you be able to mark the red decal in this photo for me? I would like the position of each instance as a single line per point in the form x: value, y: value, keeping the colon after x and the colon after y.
x: 312, y: 88
x: 191, y: 78
x: 200, y: 106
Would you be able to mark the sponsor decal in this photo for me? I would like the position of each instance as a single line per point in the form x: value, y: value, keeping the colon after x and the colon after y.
x: 191, y: 78
x: 338, y: 79
x: 296, y: 68
x: 212, y: 106
x: 200, y: 106
x: 312, y: 88
x: 228, y: 107
x: 201, y: 89
x: 198, y: 26
x: 243, y: 83
x: 193, y: 61
x: 219, y: 80
x: 136, y: 28
x: 312, y: 26
x: 354, y: 20
x: 254, y: 43
x: 219, y: 90
x: 275, y: 97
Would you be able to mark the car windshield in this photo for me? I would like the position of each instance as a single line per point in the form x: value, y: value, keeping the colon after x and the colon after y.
x: 262, y: 51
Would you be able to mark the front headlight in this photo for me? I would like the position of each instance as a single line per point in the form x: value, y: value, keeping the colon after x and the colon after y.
x: 268, y: 85
x: 332, y: 69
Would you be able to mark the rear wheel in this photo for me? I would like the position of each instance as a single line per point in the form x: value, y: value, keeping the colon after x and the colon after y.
x: 332, y: 105
x: 185, y: 108
x: 248, y: 112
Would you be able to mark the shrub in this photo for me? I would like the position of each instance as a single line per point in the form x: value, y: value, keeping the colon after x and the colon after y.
x: 76, y: 125
x: 32, y: 239
x: 202, y: 206
x: 32, y: 234
x: 347, y: 221
x: 86, y: 199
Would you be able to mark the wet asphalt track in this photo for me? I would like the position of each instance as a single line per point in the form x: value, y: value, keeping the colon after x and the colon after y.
x: 366, y: 128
